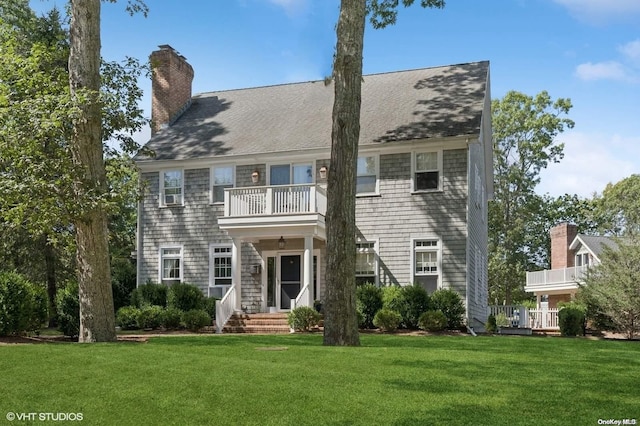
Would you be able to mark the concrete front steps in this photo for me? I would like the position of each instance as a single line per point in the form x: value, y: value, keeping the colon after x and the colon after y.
x: 257, y: 323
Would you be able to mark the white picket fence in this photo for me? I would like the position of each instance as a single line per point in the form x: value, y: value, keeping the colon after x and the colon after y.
x: 520, y: 316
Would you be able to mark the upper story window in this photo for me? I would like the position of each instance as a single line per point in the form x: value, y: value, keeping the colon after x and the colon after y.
x: 221, y: 177
x: 171, y: 188
x: 582, y: 259
x: 171, y: 264
x: 366, y: 262
x: 367, y: 175
x: 427, y: 171
x: 426, y: 263
x: 290, y: 174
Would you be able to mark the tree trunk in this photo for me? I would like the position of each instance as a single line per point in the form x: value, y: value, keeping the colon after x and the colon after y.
x: 50, y: 276
x: 341, y: 321
x: 97, y: 323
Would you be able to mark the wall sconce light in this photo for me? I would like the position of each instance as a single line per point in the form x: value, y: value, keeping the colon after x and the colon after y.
x: 281, y: 243
x: 323, y: 172
x: 255, y: 176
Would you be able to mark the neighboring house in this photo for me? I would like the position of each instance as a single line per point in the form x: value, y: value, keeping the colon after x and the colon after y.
x: 236, y: 191
x: 571, y: 256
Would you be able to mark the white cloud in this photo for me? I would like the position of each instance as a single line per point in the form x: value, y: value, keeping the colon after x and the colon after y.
x: 602, y: 11
x: 591, y: 161
x: 293, y: 8
x: 631, y: 51
x: 609, y: 70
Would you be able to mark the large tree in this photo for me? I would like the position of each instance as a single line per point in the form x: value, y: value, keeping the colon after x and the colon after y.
x: 341, y: 323
x: 524, y: 133
x: 612, y: 288
x: 618, y: 207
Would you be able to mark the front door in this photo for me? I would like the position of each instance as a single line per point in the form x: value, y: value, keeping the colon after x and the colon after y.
x: 290, y: 279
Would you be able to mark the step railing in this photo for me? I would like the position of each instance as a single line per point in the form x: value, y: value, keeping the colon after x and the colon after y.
x: 225, y: 308
x: 303, y: 298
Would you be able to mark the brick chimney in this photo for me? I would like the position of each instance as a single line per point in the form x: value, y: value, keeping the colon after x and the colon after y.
x: 170, y: 86
x: 561, y: 238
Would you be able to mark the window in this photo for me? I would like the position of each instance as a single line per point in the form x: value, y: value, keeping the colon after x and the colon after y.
x: 427, y: 171
x: 582, y: 259
x: 221, y: 177
x: 220, y: 259
x: 171, y: 188
x: 366, y: 264
x: 367, y: 175
x: 171, y: 264
x: 290, y: 174
x: 426, y: 263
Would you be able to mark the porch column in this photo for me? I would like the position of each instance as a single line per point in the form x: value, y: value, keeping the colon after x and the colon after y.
x: 307, y: 274
x: 236, y: 270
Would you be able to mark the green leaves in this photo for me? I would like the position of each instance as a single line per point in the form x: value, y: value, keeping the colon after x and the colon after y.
x: 385, y: 12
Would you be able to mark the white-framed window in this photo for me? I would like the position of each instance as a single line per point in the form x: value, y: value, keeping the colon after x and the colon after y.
x: 171, y: 188
x: 366, y: 262
x: 582, y: 259
x: 427, y: 171
x: 171, y: 267
x: 220, y: 270
x: 221, y: 177
x: 290, y: 174
x: 426, y: 263
x: 367, y: 175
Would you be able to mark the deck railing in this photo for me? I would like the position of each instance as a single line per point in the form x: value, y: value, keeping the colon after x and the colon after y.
x: 520, y: 316
x: 269, y: 200
x: 225, y: 308
x: 556, y: 276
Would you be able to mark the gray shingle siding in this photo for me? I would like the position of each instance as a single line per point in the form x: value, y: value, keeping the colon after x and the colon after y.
x: 397, y: 216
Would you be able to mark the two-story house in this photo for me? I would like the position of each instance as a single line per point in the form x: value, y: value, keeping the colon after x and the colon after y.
x: 236, y: 190
x: 571, y: 255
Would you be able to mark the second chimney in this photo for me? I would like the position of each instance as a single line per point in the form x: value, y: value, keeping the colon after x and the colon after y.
x: 170, y: 86
x: 561, y: 238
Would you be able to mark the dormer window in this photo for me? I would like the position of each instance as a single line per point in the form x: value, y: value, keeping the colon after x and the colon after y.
x: 582, y: 259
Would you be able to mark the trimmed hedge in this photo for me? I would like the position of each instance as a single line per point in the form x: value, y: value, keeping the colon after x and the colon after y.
x: 68, y: 307
x: 450, y: 304
x: 368, y: 302
x: 171, y: 318
x: 387, y: 320
x: 23, y: 305
x: 434, y: 320
x: 127, y: 317
x: 571, y: 321
x: 409, y: 301
x: 149, y: 294
x: 195, y: 319
x: 185, y: 297
x: 303, y: 318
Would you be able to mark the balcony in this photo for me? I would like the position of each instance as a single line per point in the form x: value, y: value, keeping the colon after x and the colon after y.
x: 271, y: 211
x: 555, y: 279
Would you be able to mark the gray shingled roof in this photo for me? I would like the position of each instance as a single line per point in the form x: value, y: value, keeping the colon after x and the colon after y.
x: 416, y: 104
x: 597, y: 243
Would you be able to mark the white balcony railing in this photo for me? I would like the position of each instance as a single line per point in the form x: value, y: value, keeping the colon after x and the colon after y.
x: 274, y: 200
x: 556, y: 276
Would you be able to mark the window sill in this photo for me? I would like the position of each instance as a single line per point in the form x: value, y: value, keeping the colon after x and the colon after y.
x: 368, y: 195
x: 426, y: 191
x: 172, y: 206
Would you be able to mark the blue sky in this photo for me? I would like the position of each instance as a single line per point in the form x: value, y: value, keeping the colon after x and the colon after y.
x: 585, y: 50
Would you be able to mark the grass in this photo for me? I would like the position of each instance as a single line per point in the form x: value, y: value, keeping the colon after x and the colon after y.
x: 294, y: 380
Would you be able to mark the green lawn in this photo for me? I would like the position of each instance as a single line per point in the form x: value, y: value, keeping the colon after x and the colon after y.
x: 390, y: 380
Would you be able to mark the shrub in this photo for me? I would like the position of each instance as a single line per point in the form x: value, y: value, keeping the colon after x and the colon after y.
x: 123, y: 281
x: 491, y: 326
x: 392, y: 297
x: 150, y: 317
x: 450, y: 303
x: 68, y: 306
x: 416, y: 301
x: 209, y: 305
x: 185, y: 297
x: 571, y: 321
x: 387, y: 320
x: 303, y: 318
x: 434, y: 320
x: 195, y: 319
x: 502, y: 320
x: 127, y: 317
x: 23, y: 305
x: 149, y: 294
x: 369, y: 301
x: 171, y: 318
